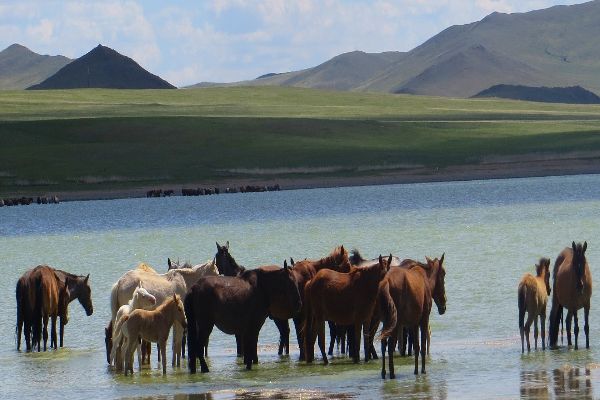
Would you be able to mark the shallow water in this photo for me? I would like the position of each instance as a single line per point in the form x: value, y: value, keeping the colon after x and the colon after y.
x: 491, y: 231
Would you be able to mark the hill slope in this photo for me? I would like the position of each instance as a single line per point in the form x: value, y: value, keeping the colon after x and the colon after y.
x: 550, y: 47
x: 567, y: 95
x: 103, y: 67
x: 21, y: 67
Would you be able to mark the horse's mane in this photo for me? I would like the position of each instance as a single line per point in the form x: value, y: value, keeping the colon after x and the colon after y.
x: 145, y: 267
x: 410, y: 264
x: 355, y: 257
x: 539, y: 267
x: 339, y: 251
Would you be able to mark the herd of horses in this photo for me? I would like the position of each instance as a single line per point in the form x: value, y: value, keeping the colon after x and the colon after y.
x: 354, y: 295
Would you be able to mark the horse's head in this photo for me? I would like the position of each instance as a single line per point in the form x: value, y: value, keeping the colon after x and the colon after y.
x: 384, y: 265
x: 543, y: 269
x: 84, y: 294
x: 340, y: 259
x: 281, y: 288
x: 226, y: 263
x: 439, y: 291
x: 108, y: 340
x: 579, y: 262
x: 142, y: 298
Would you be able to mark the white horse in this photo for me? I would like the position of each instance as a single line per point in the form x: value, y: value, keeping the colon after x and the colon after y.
x: 141, y: 299
x: 161, y: 286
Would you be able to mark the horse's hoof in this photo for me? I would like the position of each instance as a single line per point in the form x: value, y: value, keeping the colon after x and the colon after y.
x: 392, y: 376
x: 382, y: 375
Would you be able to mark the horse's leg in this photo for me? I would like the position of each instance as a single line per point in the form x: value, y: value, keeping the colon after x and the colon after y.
x: 391, y: 346
x: 321, y: 335
x: 176, y: 347
x: 356, y: 341
x: 163, y: 350
x: 416, y: 348
x: 139, y: 354
x: 183, y: 343
x: 543, y: 328
x: 383, y: 345
x: 249, y: 349
x: 53, y: 340
x: 366, y: 341
x: 298, y: 322
x: 568, y: 324
x: 424, y: 326
x: 535, y: 332
x: 239, y: 343
x: 45, y: 331
x: 586, y: 326
x: 332, y: 337
x: 530, y: 319
x: 428, y: 338
x: 576, y: 328
x: 62, y: 331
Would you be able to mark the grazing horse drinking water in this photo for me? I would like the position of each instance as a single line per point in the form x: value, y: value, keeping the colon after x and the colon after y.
x: 236, y: 305
x: 533, y: 295
x: 572, y: 289
x: 405, y: 297
x: 343, y: 298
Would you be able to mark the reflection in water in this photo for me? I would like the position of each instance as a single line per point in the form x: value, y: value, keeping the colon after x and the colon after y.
x: 567, y: 382
x: 252, y: 395
x: 421, y: 387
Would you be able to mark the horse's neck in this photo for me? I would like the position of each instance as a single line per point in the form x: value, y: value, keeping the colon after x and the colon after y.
x: 134, y: 303
x: 429, y: 275
x: 191, y: 275
x: 327, y: 262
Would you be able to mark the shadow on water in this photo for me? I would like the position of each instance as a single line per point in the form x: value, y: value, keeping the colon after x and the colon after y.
x: 562, y: 383
x: 250, y: 395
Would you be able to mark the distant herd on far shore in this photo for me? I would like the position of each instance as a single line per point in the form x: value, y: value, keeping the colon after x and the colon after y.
x: 354, y: 295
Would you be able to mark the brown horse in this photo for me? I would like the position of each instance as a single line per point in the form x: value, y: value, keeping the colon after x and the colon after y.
x: 152, y: 326
x: 25, y: 296
x: 237, y: 306
x: 572, y: 284
x: 343, y: 298
x: 409, y: 293
x: 533, y: 295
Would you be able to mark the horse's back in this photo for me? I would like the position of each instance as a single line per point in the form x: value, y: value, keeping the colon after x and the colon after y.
x: 156, y: 284
x: 565, y: 282
x: 409, y: 290
x: 47, y: 289
x: 533, y: 292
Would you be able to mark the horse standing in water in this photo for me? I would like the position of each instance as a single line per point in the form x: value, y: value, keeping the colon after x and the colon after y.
x: 407, y: 293
x: 236, y: 305
x: 345, y: 299
x: 572, y: 289
x: 533, y: 295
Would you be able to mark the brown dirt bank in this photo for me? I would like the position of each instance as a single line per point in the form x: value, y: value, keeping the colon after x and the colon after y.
x: 488, y: 170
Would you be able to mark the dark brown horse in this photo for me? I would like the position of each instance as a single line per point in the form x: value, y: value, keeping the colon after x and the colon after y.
x: 572, y: 289
x: 76, y: 287
x: 345, y: 299
x: 237, y: 306
x: 409, y: 292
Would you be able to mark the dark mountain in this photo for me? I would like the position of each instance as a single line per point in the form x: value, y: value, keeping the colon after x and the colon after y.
x: 569, y: 95
x: 556, y: 46
x: 21, y: 67
x: 103, y: 67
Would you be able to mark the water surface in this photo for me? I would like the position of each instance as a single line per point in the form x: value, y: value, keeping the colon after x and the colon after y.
x: 491, y: 231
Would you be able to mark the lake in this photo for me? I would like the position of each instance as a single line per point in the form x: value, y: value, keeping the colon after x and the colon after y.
x: 492, y: 232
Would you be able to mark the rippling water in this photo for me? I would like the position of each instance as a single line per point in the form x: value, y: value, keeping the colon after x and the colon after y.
x: 491, y: 231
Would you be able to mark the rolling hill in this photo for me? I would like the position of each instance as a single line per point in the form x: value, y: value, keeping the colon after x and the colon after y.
x: 103, y: 67
x: 550, y: 47
x: 567, y: 95
x: 21, y: 67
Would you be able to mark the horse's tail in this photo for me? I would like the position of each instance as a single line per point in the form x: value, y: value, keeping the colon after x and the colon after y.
x: 20, y: 316
x: 192, y: 332
x: 522, y: 300
x: 117, y: 336
x: 555, y: 317
x: 388, y: 311
x: 114, y: 302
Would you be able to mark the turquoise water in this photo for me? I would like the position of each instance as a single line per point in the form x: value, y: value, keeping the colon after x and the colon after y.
x: 491, y: 231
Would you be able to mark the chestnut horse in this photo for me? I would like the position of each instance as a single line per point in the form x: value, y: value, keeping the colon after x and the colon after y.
x: 237, y: 306
x: 572, y: 284
x: 533, y: 295
x: 409, y: 292
x: 345, y: 299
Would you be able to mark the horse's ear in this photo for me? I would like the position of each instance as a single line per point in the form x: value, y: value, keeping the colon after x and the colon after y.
x: 174, y: 296
x: 584, y: 246
x: 140, y: 284
x: 442, y: 259
x: 169, y: 263
x: 285, y: 266
x: 85, y: 281
x: 390, y: 260
x: 573, y: 246
x: 380, y: 260
x: 342, y: 249
x: 292, y: 261
x: 227, y: 245
x: 218, y: 246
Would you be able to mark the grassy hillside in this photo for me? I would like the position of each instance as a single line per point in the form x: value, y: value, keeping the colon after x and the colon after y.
x: 98, y: 139
x: 21, y: 67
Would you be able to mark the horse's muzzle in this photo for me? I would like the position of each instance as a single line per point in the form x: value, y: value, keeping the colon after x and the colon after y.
x: 89, y: 311
x: 442, y: 309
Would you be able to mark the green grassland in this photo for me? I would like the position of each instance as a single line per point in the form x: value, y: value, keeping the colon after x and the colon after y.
x: 106, y: 139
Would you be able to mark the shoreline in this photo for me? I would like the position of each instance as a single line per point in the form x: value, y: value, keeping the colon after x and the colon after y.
x: 489, y: 170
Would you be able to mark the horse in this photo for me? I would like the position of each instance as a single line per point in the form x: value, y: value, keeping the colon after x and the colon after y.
x: 572, y: 288
x: 533, y: 295
x: 161, y: 286
x: 236, y: 305
x: 140, y: 299
x: 25, y: 296
x: 76, y: 287
x: 152, y: 326
x: 345, y: 299
x: 46, y: 304
x: 405, y: 298
x: 229, y: 267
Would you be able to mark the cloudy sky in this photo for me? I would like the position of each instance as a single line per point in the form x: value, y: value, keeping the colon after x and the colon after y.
x: 189, y: 41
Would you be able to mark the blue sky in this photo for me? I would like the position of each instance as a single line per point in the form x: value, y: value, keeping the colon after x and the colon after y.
x: 188, y: 42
